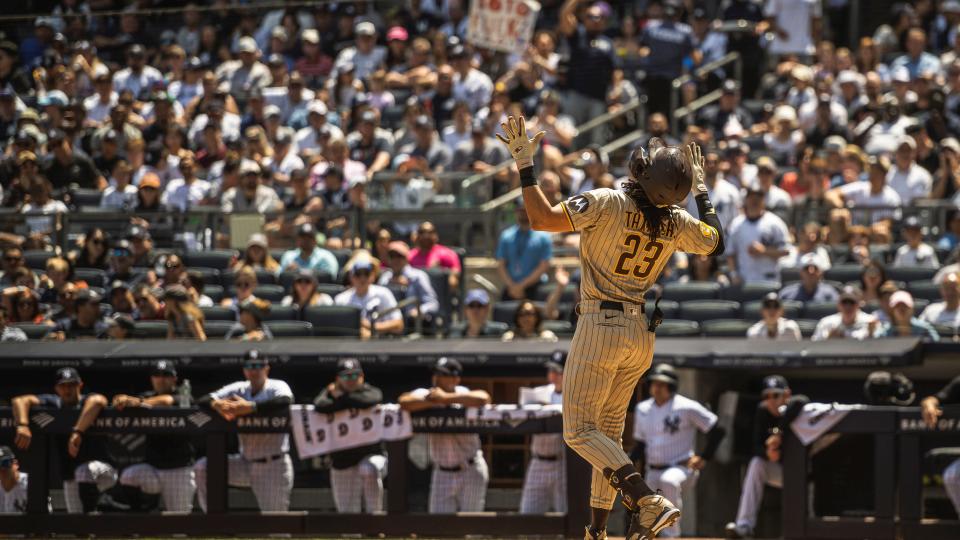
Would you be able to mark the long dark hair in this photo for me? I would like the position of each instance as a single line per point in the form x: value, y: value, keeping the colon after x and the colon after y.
x: 656, y: 221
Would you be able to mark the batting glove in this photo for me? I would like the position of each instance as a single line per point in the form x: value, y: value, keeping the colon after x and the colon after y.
x: 695, y: 157
x: 521, y: 148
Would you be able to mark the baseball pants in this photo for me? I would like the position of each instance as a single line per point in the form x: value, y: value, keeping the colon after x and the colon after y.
x: 359, y: 485
x: 459, y: 491
x: 92, y: 472
x: 544, y: 487
x: 610, y: 351
x: 951, y: 482
x: 671, y: 482
x: 760, y: 472
x: 271, y: 482
x: 177, y: 486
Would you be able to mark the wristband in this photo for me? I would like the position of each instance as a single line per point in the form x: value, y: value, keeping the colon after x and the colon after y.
x: 527, y: 178
x: 78, y: 431
x: 23, y: 424
x: 704, y: 206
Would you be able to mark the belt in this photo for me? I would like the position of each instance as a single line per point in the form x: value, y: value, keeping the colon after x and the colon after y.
x: 456, y: 468
x: 662, y: 467
x: 267, y: 459
x: 618, y: 306
x: 546, y: 458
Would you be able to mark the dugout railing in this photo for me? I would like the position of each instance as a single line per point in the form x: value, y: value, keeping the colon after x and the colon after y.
x: 219, y: 520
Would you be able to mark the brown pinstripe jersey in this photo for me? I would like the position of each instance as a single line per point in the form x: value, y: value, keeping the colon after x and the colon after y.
x: 619, y: 261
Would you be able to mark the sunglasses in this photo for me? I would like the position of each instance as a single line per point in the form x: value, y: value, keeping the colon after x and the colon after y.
x: 254, y: 365
x: 847, y: 302
x: 349, y: 376
x: 97, y: 241
x: 243, y: 284
x: 426, y: 231
x: 121, y: 253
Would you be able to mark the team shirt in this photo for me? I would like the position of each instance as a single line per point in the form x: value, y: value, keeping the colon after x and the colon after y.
x: 726, y: 200
x: 15, y: 500
x: 548, y: 444
x: 937, y: 313
x: 786, y: 330
x: 449, y: 450
x: 259, y: 445
x: 169, y: 451
x: 922, y: 255
x: 669, y: 430
x: 770, y: 231
x: 619, y: 260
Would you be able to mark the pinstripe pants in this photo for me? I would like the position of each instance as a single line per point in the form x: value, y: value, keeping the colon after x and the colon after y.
x: 459, y: 491
x: 609, y: 353
x: 360, y: 484
x: 92, y: 472
x: 176, y: 485
x: 271, y: 482
x: 544, y: 487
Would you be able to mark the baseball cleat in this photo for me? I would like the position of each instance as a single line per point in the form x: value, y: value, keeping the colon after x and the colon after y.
x: 590, y: 535
x: 654, y: 513
x: 738, y: 531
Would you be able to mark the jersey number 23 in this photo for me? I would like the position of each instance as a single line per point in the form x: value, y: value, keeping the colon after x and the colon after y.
x: 648, y: 257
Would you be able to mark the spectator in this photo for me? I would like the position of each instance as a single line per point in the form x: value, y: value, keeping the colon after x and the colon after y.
x: 244, y: 284
x: 946, y: 312
x: 915, y: 252
x: 356, y: 474
x: 58, y: 276
x: 195, y: 284
x: 257, y: 255
x: 592, y: 64
x: 9, y: 333
x: 184, y: 193
x: 809, y: 241
x: 245, y: 74
x: 13, y: 483
x: 666, y: 44
x: 784, y: 137
x: 137, y: 76
x: 308, y: 255
x: 758, y: 239
x: 916, y: 60
x: 480, y: 153
x: 872, y: 278
x: 184, y: 318
x: 87, y: 323
x: 250, y: 326
x: 414, y: 282
x: 811, y: 287
x: 284, y: 160
x: 594, y: 161
x: 528, y: 324
x: 370, y: 144
x: 80, y: 456
x: 523, y: 257
x: 27, y: 307
x: 250, y: 195
x: 774, y: 325
x: 41, y: 207
x: 149, y: 306
x: 931, y: 411
x: 874, y: 194
x: 12, y: 259
x: 121, y: 298
x: 460, y: 475
x: 174, y: 271
x: 120, y: 327
x: 365, y: 55
x: 430, y: 253
x: 94, y: 250
x: 700, y: 268
x: 727, y: 115
x: 777, y: 199
x: 470, y: 85
x: 850, y: 322
x: 120, y: 194
x: 141, y: 246
x: 305, y: 293
x: 907, y: 178
x: 478, y: 323
x: 148, y: 194
x: 427, y: 145
x: 300, y: 198
x: 903, y: 323
x: 951, y: 239
x: 726, y: 198
x: 377, y: 304
x: 738, y: 171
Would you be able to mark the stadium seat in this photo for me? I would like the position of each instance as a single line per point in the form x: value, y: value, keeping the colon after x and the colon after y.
x: 440, y: 280
x: 703, y: 310
x: 562, y: 329
x: 217, y: 329
x: 33, y: 331
x: 342, y: 255
x: 789, y: 275
x: 150, y: 330
x: 218, y: 313
x: 678, y: 328
x: 818, y: 310
x: 399, y: 291
x: 273, y: 293
x: 669, y: 308
x: 498, y: 328
x: 333, y: 320
x: 791, y: 309
x: 286, y: 279
x: 85, y: 197
x: 946, y: 332
x: 844, y: 272
x: 263, y: 277
x: 569, y: 293
x: 36, y: 259
x: 215, y: 292
x: 503, y: 311
x: 751, y: 291
x: 925, y: 289
x: 807, y: 327
x: 93, y: 276
x: 289, y: 328
x: 911, y: 274
x: 220, y: 259
x: 691, y: 290
x: 333, y: 289
x: 281, y: 313
x: 210, y: 275
x: 725, y: 327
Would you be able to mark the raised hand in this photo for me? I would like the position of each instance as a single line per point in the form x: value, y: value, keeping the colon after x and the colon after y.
x: 521, y: 148
x: 695, y: 157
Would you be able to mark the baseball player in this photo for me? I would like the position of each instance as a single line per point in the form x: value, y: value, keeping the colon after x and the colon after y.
x: 545, y: 484
x: 930, y: 407
x: 84, y: 469
x: 356, y: 474
x: 765, y: 466
x: 626, y: 238
x: 167, y: 469
x: 13, y: 484
x: 665, y: 428
x: 263, y: 463
x: 459, y: 480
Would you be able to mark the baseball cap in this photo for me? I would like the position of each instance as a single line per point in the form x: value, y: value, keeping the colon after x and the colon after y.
x: 164, y: 367
x: 912, y: 222
x: 901, y: 297
x: 284, y: 136
x: 369, y: 117
x: 908, y: 141
x: 257, y: 239
x: 150, y: 180
x: 88, y: 295
x: 67, y: 375
x: 950, y: 143
x: 31, y: 114
x: 447, y: 366
x: 458, y: 51
x: 361, y: 265
x: 247, y: 44
x: 882, y: 162
x: 176, y: 292
x: 307, y: 274
x: 317, y: 106
x: 771, y: 299
x: 810, y: 259
x: 310, y: 35
x: 119, y: 285
x: 730, y: 86
x: 399, y: 248
x: 249, y: 166
x: 276, y: 59
x: 774, y: 384
x: 850, y: 292
x: 766, y: 162
x: 138, y: 232
x: 557, y: 361
x: 122, y: 320
x: 423, y: 121
x: 346, y: 366
x: 365, y: 28
x: 6, y: 457
x: 847, y: 77
x: 834, y: 143
x: 254, y: 359
x: 55, y: 98
x: 479, y: 296
x: 901, y: 75
x: 307, y: 229
x: 397, y: 33
x: 136, y: 50
x: 271, y: 110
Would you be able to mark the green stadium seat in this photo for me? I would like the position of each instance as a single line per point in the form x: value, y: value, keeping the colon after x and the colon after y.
x: 704, y: 310
x: 691, y: 290
x: 219, y: 259
x: 333, y: 320
x: 726, y: 327
x: 289, y: 328
x: 678, y: 328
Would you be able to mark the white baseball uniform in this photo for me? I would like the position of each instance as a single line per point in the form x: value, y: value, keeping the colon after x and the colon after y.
x: 263, y: 463
x: 545, y: 484
x: 669, y: 432
x: 15, y: 500
x: 459, y: 480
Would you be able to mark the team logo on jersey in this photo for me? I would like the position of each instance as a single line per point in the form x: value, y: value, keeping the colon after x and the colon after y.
x: 706, y: 230
x: 672, y: 424
x: 578, y: 204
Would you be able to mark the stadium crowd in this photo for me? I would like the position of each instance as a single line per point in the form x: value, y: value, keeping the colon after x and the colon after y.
x: 835, y: 172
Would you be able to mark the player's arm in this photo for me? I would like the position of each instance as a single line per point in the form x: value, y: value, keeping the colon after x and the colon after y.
x: 543, y: 216
x: 568, y: 17
x: 417, y: 401
x: 705, y: 209
x: 88, y: 415
x: 21, y: 415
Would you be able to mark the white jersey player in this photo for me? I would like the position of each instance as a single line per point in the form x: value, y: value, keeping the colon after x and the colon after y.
x: 263, y: 463
x: 13, y: 484
x: 665, y: 428
x: 545, y: 484
x: 459, y: 481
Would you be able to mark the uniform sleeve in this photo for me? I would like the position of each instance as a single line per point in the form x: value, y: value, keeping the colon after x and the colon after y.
x: 701, y: 417
x: 586, y: 210
x: 420, y: 393
x: 48, y: 400
x: 281, y: 389
x: 228, y: 390
x: 388, y: 301
x: 822, y: 331
x: 695, y: 236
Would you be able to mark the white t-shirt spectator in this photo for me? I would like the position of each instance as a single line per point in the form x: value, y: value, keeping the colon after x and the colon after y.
x: 858, y: 194
x: 180, y: 196
x: 778, y: 199
x: 125, y: 79
x: 476, y: 89
x: 39, y: 218
x: 858, y: 330
x: 770, y: 231
x: 792, y: 259
x: 377, y: 299
x: 787, y: 330
x: 121, y: 199
x: 924, y: 255
x: 726, y: 199
x: 364, y: 63
x: 97, y: 110
x: 794, y: 17
x: 911, y: 184
x: 937, y: 313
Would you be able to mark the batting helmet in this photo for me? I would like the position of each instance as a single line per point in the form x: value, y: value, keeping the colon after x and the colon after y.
x: 664, y: 175
x: 664, y: 373
x: 885, y: 388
